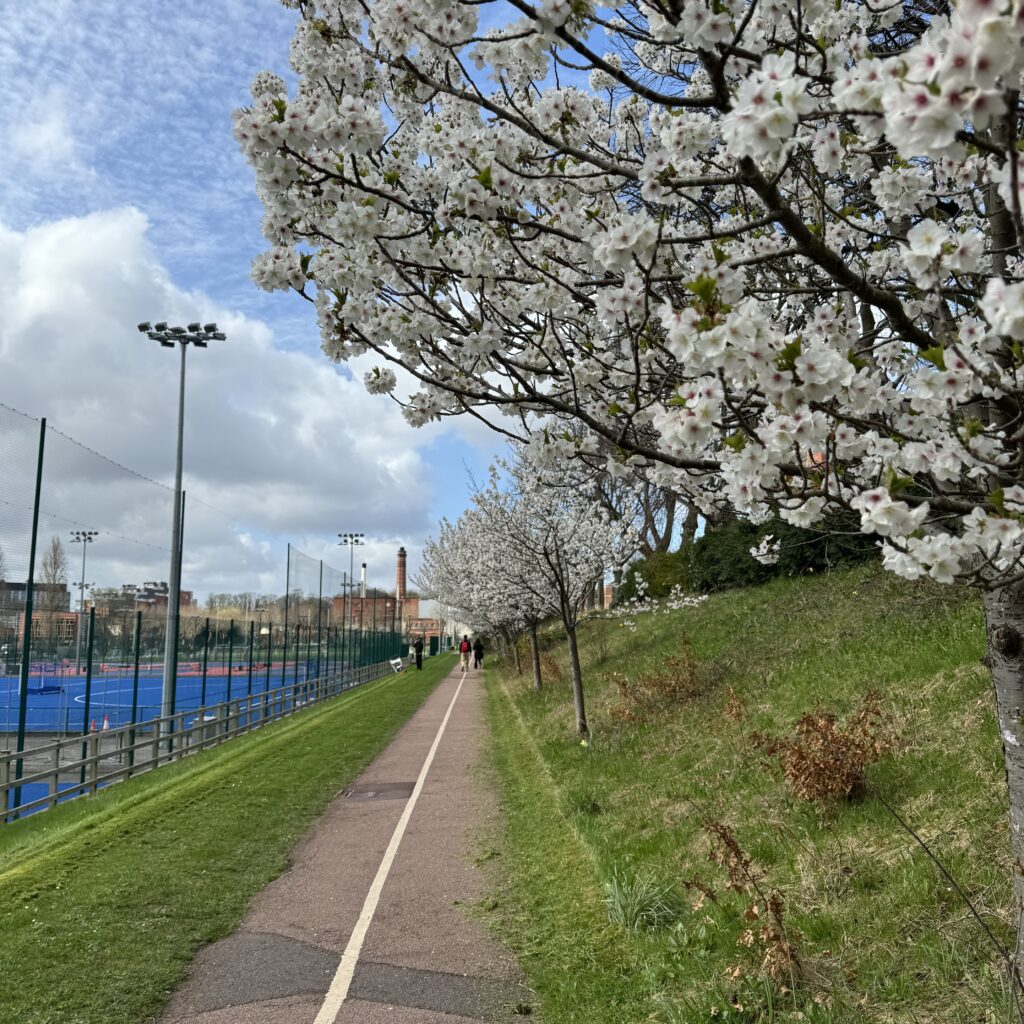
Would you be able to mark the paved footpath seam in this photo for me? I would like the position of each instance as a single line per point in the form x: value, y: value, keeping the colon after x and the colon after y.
x: 421, y: 958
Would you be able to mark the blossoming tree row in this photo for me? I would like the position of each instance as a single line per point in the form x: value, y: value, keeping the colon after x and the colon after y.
x: 526, y: 550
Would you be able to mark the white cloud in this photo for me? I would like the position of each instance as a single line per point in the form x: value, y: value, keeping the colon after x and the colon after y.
x: 286, y: 444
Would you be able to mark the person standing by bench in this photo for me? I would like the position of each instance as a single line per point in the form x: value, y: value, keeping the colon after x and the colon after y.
x: 418, y: 648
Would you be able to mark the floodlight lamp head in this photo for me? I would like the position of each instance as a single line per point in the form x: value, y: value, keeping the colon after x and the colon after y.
x: 193, y: 328
x: 219, y: 336
x: 160, y: 327
x: 199, y: 343
x: 144, y: 327
x: 176, y: 330
x: 209, y: 328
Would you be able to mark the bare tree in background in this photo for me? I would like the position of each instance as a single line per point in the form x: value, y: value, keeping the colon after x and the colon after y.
x: 55, y: 572
x: 3, y: 566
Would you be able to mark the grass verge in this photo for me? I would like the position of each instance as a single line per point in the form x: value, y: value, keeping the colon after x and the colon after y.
x: 882, y: 936
x: 104, y: 901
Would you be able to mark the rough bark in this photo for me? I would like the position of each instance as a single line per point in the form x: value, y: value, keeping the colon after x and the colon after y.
x: 519, y: 659
x: 577, y: 682
x: 1004, y: 627
x: 664, y: 541
x: 535, y: 656
x: 689, y: 527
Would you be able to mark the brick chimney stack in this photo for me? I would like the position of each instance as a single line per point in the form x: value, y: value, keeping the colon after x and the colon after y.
x: 400, y: 587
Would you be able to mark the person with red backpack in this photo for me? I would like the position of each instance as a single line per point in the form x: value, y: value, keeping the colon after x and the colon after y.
x: 465, y: 647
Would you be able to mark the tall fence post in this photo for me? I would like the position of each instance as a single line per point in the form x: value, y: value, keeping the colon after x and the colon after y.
x: 135, y: 688
x: 206, y: 659
x: 287, y: 590
x: 319, y: 617
x: 88, y: 688
x: 248, y: 685
x: 270, y: 654
x: 26, y: 645
x: 231, y: 653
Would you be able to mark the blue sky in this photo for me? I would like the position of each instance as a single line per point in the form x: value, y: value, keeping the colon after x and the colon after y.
x: 126, y: 199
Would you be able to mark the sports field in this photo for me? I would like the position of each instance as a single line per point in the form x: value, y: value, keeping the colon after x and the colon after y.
x: 61, y: 702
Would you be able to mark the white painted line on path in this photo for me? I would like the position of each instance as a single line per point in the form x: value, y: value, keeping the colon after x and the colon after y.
x: 338, y: 991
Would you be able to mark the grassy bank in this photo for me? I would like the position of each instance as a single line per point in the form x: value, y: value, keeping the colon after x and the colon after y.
x: 629, y: 825
x: 104, y: 901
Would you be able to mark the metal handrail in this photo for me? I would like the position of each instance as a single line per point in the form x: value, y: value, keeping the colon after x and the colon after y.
x: 163, y: 740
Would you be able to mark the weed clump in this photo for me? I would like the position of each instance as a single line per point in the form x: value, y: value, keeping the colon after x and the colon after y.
x: 678, y: 681
x: 824, y: 760
x: 641, y: 902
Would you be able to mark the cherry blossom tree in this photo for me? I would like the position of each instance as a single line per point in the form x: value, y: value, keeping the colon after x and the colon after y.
x: 769, y: 254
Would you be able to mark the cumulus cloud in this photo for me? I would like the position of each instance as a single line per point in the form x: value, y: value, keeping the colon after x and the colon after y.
x: 289, y: 447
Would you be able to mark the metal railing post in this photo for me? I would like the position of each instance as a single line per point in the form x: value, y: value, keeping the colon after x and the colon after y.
x: 94, y: 761
x: 5, y: 783
x: 55, y: 777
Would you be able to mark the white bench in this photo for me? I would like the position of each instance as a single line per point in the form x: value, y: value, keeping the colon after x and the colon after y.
x: 397, y: 664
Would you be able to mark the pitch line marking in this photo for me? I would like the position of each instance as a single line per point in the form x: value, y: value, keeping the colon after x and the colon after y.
x: 342, y: 981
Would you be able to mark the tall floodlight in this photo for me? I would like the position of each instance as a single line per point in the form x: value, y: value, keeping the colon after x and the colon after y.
x: 85, y: 538
x: 199, y: 335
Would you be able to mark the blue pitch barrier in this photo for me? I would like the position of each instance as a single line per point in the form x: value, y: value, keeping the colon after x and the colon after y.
x: 56, y: 700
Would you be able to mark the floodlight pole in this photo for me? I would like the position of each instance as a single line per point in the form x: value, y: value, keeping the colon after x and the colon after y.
x: 83, y: 537
x: 350, y: 540
x: 168, y: 337
x: 174, y: 583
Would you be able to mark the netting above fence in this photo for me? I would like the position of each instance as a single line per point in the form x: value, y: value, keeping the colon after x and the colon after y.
x: 87, y: 647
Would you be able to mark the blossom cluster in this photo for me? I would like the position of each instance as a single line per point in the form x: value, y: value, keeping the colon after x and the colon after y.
x: 770, y: 256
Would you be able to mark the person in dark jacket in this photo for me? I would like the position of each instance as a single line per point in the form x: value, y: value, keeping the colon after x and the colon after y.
x: 418, y: 648
x: 478, y: 653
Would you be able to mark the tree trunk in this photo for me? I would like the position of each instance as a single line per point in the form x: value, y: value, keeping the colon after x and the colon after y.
x: 535, y: 655
x: 1004, y: 628
x: 689, y: 527
x: 519, y: 661
x: 577, y: 682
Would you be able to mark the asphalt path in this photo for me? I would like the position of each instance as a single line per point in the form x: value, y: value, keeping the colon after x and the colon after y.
x: 372, y: 922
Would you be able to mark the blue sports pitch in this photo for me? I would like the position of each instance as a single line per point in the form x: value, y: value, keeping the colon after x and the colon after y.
x: 57, y: 699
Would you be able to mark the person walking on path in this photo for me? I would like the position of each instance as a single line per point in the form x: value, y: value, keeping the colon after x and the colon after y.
x: 464, y: 648
x: 478, y: 653
x: 418, y: 648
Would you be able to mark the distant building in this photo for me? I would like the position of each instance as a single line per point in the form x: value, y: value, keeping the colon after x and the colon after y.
x: 154, y: 595
x: 379, y: 609
x: 53, y: 597
x: 375, y: 611
x: 50, y: 626
x: 134, y: 597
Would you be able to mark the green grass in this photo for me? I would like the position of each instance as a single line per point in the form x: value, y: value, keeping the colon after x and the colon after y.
x: 104, y: 901
x: 883, y: 936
